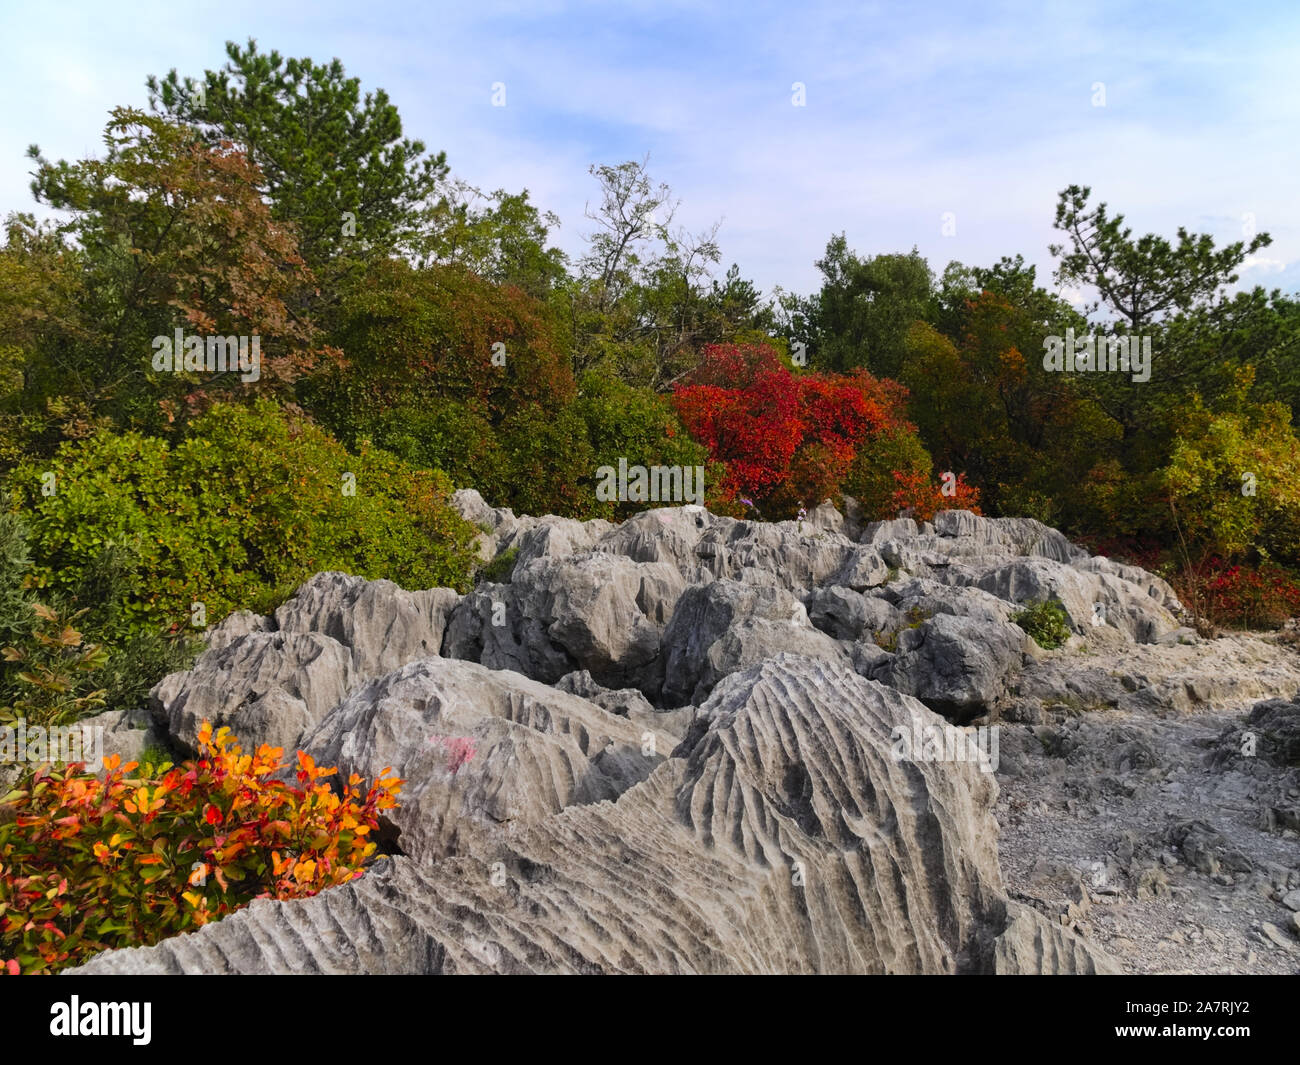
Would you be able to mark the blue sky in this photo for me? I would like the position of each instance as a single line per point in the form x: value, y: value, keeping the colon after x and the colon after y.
x: 913, y: 110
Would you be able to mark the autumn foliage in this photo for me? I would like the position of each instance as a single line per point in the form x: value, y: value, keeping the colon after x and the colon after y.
x: 89, y: 864
x: 1248, y: 597
x: 790, y: 440
x: 920, y: 498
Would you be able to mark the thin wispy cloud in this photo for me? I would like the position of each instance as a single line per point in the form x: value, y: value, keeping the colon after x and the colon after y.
x: 982, y: 112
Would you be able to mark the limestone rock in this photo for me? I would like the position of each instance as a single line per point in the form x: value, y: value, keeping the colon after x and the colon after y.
x: 782, y: 836
x: 1033, y: 945
x: 725, y: 626
x: 384, y: 625
x: 482, y: 751
x: 959, y: 666
x: 268, y: 687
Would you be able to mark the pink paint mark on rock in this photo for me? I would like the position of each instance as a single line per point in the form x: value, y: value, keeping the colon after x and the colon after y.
x: 460, y: 749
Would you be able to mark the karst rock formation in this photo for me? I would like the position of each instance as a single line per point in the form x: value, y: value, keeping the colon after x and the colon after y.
x: 680, y: 751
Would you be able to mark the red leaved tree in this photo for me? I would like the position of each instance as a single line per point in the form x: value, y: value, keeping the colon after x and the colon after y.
x: 789, y: 440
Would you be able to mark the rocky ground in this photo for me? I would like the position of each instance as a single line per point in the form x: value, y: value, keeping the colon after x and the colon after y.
x: 685, y: 758
x: 1143, y: 824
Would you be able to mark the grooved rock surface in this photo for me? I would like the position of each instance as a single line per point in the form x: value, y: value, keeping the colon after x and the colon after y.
x: 780, y: 836
x: 670, y: 746
x: 483, y: 751
x: 384, y: 625
x: 269, y: 687
x: 1032, y: 944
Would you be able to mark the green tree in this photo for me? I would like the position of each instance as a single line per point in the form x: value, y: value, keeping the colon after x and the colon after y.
x: 335, y: 163
x: 644, y: 302
x: 1172, y: 292
x: 1234, y: 478
x: 501, y: 237
x: 169, y: 234
x: 1144, y: 279
x: 865, y: 308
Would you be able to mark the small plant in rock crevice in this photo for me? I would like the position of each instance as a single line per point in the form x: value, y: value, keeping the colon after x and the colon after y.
x: 1045, y: 621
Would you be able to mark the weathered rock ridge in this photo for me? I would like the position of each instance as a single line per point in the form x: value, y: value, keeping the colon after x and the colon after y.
x: 677, y: 746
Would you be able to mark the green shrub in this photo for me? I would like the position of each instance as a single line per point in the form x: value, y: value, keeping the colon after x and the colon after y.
x: 15, y: 608
x: 499, y: 570
x: 434, y: 433
x: 1046, y: 621
x: 886, y: 641
x: 56, y: 667
x: 247, y: 504
x: 634, y: 424
x: 917, y: 616
x: 871, y: 478
x: 138, y: 662
x: 118, y: 675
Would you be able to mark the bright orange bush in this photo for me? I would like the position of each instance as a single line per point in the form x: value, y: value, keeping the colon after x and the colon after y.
x: 922, y: 498
x: 89, y: 864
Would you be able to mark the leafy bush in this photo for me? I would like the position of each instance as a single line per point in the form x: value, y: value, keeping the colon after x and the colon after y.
x: 247, y: 503
x: 437, y: 433
x: 426, y: 379
x: 498, y: 571
x: 15, y: 607
x: 633, y: 424
x: 871, y: 479
x: 1046, y: 621
x: 917, y: 616
x: 922, y: 498
x: 138, y: 662
x: 886, y: 641
x: 56, y: 671
x: 88, y: 864
x: 785, y: 438
x: 1250, y: 597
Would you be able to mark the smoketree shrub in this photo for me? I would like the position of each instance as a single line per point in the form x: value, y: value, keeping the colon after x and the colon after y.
x: 922, y: 498
x: 792, y: 440
x: 149, y: 852
x: 249, y: 501
x: 1250, y: 597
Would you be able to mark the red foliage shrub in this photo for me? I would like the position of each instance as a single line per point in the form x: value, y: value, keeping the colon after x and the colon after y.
x: 787, y: 439
x: 1250, y: 597
x: 89, y: 864
x: 921, y: 498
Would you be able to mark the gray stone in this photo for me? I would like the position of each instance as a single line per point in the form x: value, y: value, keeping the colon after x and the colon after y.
x: 268, y: 687
x: 725, y: 626
x: 385, y: 626
x: 781, y: 837
x: 958, y: 666
x: 481, y: 751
